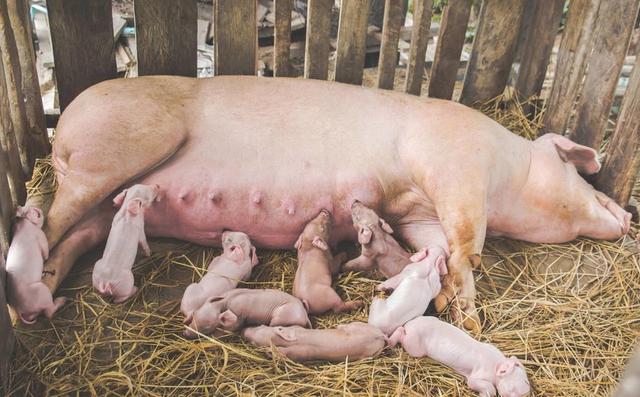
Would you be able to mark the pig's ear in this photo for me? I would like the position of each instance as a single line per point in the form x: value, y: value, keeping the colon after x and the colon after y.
x: 583, y: 157
x: 227, y: 318
x: 287, y: 334
x: 33, y: 214
x: 215, y: 298
x: 364, y: 235
x: 119, y: 199
x: 21, y: 212
x: 320, y: 243
x: 420, y: 255
x: 188, y: 319
x: 134, y: 206
x: 298, y: 243
x: 505, y: 368
x: 254, y: 256
x: 516, y: 362
x: 441, y: 266
x: 385, y: 226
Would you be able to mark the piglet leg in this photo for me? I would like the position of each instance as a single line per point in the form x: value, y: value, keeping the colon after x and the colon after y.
x: 55, y: 305
x: 391, y: 283
x: 360, y: 263
x: 144, y: 245
x: 483, y: 387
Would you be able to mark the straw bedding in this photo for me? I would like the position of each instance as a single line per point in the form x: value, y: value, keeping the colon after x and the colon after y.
x: 570, y: 312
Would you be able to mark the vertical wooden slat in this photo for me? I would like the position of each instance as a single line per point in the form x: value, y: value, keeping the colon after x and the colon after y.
x: 316, y: 56
x: 6, y: 330
x: 352, y: 41
x: 613, y: 30
x: 537, y: 45
x: 236, y: 37
x: 418, y: 50
x: 166, y: 37
x: 393, y: 13
x: 6, y: 203
x: 453, y: 29
x: 282, y: 39
x: 622, y: 161
x: 493, y: 50
x: 83, y: 47
x: 574, y: 51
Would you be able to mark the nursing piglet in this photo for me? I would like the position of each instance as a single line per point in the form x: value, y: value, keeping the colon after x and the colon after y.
x: 233, y: 309
x: 484, y: 366
x: 354, y: 341
x: 26, y: 293
x: 112, y: 274
x: 422, y: 264
x: 316, y: 266
x: 225, y: 271
x: 379, y: 249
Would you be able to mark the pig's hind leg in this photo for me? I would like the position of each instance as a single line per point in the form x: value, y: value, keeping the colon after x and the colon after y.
x: 483, y: 387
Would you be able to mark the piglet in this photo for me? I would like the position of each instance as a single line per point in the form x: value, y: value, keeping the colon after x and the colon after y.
x: 112, y: 274
x: 26, y: 293
x: 316, y: 266
x: 225, y: 271
x: 379, y: 249
x: 484, y: 366
x: 237, y: 307
x: 354, y: 341
x: 422, y: 264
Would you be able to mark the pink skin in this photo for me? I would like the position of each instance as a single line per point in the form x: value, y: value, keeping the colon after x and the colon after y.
x: 239, y: 307
x: 484, y: 366
x: 352, y: 341
x: 422, y: 264
x: 225, y: 271
x: 316, y: 266
x: 26, y: 293
x: 278, y: 165
x: 112, y: 274
x: 379, y: 249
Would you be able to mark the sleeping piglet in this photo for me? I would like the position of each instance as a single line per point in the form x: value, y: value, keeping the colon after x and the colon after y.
x: 379, y: 249
x: 237, y: 307
x: 26, y: 292
x: 354, y: 341
x: 316, y: 266
x: 484, y: 366
x: 225, y: 271
x: 112, y: 274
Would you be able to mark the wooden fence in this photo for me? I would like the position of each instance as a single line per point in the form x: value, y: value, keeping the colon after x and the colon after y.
x: 596, y: 33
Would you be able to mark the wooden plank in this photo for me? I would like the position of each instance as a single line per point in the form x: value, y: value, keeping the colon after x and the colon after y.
x: 282, y: 38
x: 419, y: 41
x: 493, y: 50
x: 574, y: 51
x: 453, y: 29
x: 537, y: 45
x: 316, y: 56
x: 393, y: 14
x: 7, y: 340
x: 166, y: 37
x: 622, y: 160
x: 6, y: 203
x: 352, y: 41
x: 235, y: 37
x: 613, y: 30
x: 83, y: 48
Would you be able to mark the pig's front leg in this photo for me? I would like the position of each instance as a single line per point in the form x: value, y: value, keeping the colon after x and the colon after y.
x: 390, y: 284
x: 360, y: 263
x: 483, y: 387
x: 143, y: 242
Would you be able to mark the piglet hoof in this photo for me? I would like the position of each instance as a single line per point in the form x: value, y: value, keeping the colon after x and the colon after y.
x: 57, y: 304
x: 464, y: 313
x: 384, y: 288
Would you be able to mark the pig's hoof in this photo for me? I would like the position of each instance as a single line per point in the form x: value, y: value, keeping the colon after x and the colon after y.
x: 383, y: 288
x: 441, y: 302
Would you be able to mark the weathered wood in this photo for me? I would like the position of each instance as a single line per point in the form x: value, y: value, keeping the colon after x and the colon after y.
x: 316, y: 54
x: 282, y: 39
x: 83, y: 47
x: 393, y: 13
x: 352, y: 41
x: 453, y: 29
x: 574, y: 51
x: 7, y: 340
x: 39, y: 144
x: 419, y: 40
x: 622, y: 160
x: 166, y: 37
x: 493, y: 50
x: 6, y: 203
x: 236, y: 37
x: 537, y: 45
x: 613, y: 30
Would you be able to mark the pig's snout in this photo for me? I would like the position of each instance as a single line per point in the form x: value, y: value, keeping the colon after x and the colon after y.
x: 608, y: 220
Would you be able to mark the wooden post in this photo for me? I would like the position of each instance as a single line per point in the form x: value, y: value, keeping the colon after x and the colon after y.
x: 83, y: 47
x: 316, y: 56
x: 613, y: 30
x: 622, y: 160
x: 7, y: 340
x: 453, y: 30
x: 236, y: 37
x: 574, y: 51
x: 537, y: 45
x: 393, y: 12
x: 493, y: 50
x: 282, y: 39
x: 166, y: 37
x: 419, y: 40
x: 352, y: 41
x: 6, y: 203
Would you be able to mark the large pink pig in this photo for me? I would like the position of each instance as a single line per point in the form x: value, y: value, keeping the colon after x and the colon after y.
x: 26, y: 293
x: 484, y: 366
x: 352, y: 341
x: 225, y: 271
x: 112, y: 274
x: 379, y: 249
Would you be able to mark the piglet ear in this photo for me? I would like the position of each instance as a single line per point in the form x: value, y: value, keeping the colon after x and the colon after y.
x: 33, y: 214
x: 134, y: 206
x: 583, y: 157
x: 505, y: 367
x: 188, y: 319
x: 227, y: 318
x: 21, y: 212
x: 420, y: 255
x: 286, y: 333
x: 516, y: 362
x: 119, y: 199
x: 320, y: 243
x: 385, y: 226
x: 364, y: 235
x: 215, y: 298
x: 254, y: 257
x: 441, y: 266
